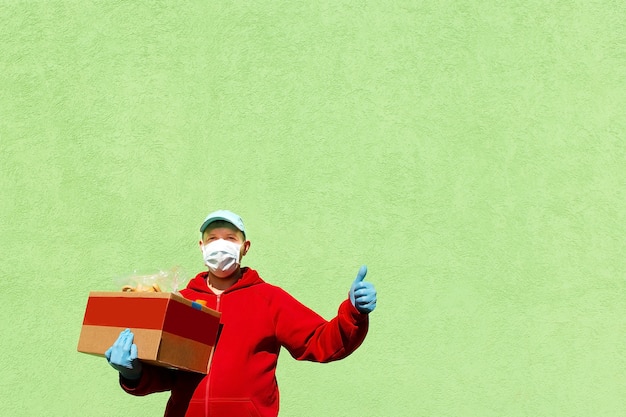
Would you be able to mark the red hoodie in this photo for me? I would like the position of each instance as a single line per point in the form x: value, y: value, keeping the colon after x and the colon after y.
x: 257, y: 319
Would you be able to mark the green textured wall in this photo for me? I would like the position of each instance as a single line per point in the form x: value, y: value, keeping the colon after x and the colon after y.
x: 472, y: 154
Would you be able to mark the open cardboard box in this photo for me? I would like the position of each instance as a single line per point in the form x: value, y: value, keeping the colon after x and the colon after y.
x: 169, y: 330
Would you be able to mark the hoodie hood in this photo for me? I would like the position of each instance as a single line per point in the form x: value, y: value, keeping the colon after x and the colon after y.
x: 249, y: 278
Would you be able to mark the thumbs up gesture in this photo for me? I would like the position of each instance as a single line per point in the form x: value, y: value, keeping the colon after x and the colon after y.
x: 362, y: 293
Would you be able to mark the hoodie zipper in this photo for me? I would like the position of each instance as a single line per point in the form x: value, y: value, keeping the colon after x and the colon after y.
x: 217, y: 304
x: 208, y: 376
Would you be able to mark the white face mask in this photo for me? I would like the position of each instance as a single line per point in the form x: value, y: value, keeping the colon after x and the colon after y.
x: 221, y: 256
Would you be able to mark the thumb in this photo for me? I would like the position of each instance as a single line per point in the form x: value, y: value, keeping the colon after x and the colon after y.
x: 133, y: 352
x: 361, y: 275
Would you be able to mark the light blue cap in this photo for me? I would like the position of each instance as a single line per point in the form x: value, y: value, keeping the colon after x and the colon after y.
x: 225, y: 215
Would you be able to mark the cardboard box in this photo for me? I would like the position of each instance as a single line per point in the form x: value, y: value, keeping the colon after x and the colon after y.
x: 169, y: 330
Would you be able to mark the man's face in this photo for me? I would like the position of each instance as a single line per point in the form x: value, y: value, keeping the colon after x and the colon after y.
x: 231, y: 234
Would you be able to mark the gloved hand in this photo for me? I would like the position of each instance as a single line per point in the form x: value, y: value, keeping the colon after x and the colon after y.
x: 363, y: 294
x: 123, y: 356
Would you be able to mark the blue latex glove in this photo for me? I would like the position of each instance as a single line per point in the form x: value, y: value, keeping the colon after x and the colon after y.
x: 363, y: 294
x: 123, y: 356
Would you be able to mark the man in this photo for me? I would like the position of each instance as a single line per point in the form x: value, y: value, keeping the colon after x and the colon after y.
x: 257, y: 320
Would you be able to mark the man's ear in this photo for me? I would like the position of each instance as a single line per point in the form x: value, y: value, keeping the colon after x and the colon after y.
x: 246, y: 247
x: 200, y: 243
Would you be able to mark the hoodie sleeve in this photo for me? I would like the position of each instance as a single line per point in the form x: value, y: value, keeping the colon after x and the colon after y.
x: 158, y: 379
x: 308, y: 336
x: 153, y: 379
